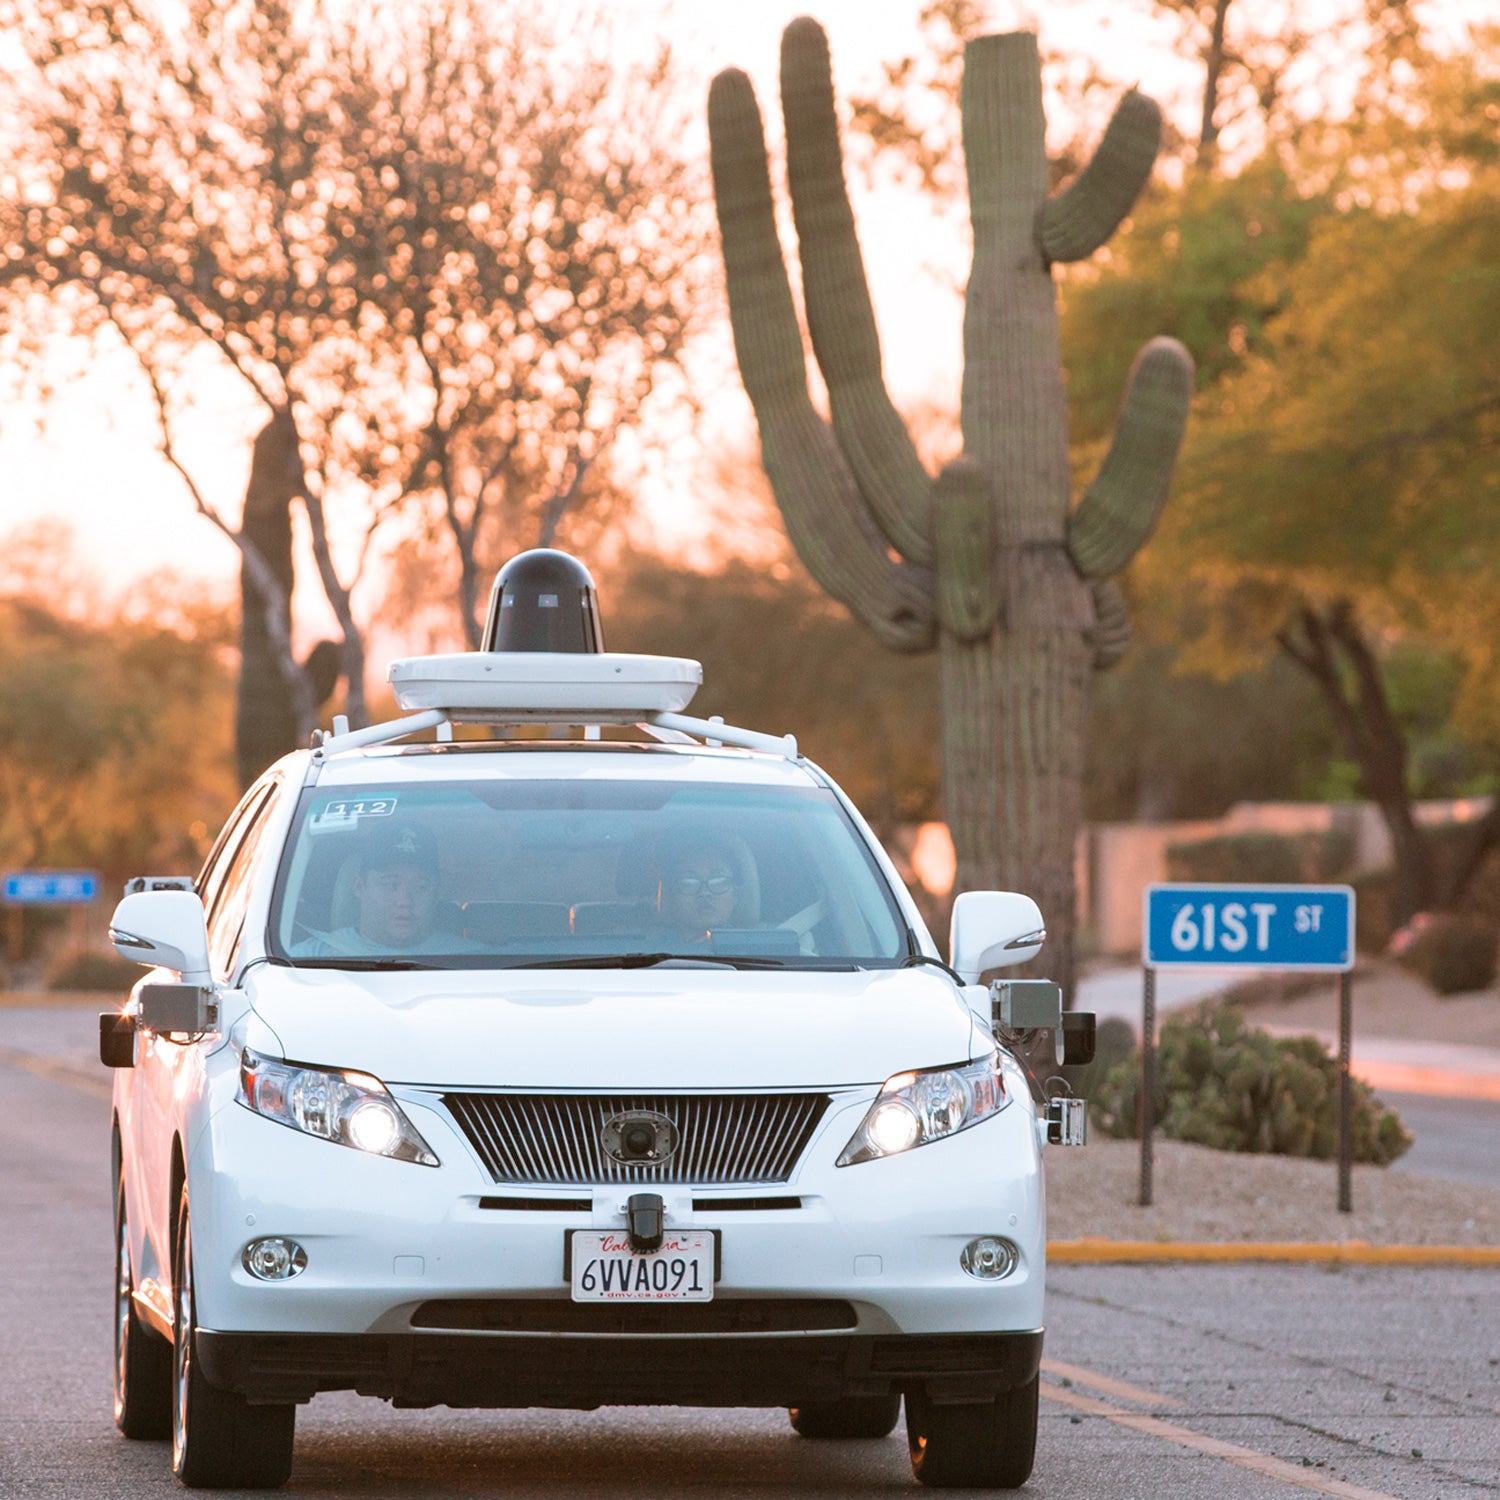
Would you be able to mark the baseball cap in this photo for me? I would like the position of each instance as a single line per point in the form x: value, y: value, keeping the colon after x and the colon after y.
x: 396, y: 843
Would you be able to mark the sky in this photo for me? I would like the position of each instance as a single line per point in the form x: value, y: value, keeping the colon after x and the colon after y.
x: 94, y: 467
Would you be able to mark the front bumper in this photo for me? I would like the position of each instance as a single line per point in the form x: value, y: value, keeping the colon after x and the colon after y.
x: 424, y: 1287
x: 585, y: 1371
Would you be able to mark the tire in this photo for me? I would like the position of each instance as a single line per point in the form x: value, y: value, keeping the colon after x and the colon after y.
x: 219, y: 1440
x: 986, y: 1445
x: 143, y: 1358
x: 856, y: 1417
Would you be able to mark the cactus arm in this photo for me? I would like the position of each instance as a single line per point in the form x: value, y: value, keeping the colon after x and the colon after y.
x: 1119, y: 510
x: 968, y: 591
x: 1013, y: 406
x: 1111, y: 633
x: 1074, y: 224
x: 836, y: 296
x: 827, y: 519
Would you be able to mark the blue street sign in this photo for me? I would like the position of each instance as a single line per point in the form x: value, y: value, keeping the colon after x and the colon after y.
x: 1251, y: 926
x: 49, y: 887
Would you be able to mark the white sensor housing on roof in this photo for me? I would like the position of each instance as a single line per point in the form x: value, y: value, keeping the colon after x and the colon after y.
x: 520, y: 685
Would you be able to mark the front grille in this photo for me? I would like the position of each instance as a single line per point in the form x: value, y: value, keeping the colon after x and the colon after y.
x: 722, y: 1315
x: 555, y: 1138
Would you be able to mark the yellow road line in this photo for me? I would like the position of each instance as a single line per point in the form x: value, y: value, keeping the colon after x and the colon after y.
x: 1246, y: 1458
x: 1360, y: 1252
x: 1110, y: 1386
x: 55, y: 1072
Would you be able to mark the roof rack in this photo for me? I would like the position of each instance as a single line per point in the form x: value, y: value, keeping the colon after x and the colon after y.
x: 668, y: 727
x: 573, y: 689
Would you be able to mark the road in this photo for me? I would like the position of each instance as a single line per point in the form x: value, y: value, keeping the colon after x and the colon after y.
x: 1161, y: 1381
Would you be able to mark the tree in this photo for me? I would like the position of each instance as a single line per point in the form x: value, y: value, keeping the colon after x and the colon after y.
x: 114, y: 715
x: 1015, y: 588
x: 454, y: 252
x: 1341, y: 490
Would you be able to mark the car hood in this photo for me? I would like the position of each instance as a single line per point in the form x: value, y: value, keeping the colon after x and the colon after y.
x: 602, y: 1029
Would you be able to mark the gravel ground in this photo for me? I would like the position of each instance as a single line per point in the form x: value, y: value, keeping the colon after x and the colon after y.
x: 1204, y: 1195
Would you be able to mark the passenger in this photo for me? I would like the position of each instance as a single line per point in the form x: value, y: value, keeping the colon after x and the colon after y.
x: 699, y: 890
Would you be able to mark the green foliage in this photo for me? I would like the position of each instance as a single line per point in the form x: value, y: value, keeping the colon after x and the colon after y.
x: 1189, y: 265
x: 1453, y: 953
x: 1224, y: 1084
x: 1257, y: 858
x: 1170, y: 743
x: 114, y: 729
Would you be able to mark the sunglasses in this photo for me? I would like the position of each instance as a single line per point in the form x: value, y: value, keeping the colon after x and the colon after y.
x: 715, y: 885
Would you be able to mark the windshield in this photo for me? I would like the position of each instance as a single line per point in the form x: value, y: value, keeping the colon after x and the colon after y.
x: 505, y: 873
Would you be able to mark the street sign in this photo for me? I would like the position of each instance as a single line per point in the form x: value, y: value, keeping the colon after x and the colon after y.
x: 49, y: 887
x: 1250, y: 926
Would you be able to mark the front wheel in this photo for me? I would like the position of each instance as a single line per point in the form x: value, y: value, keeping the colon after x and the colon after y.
x: 857, y: 1417
x: 989, y: 1444
x: 143, y: 1359
x: 219, y: 1440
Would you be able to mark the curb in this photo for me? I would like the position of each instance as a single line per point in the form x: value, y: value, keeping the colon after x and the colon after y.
x: 1335, y: 1252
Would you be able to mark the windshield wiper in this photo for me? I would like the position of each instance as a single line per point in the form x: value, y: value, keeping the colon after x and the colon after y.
x: 622, y: 961
x: 654, y: 960
x: 363, y: 965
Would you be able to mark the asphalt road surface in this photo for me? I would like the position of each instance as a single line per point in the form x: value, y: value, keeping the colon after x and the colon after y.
x: 1161, y: 1381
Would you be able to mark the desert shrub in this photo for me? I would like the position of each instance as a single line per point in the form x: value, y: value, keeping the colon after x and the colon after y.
x: 1452, y: 953
x: 1222, y: 1083
x: 89, y: 969
x: 1262, y: 858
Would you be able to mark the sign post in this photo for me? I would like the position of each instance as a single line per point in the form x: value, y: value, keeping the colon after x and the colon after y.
x: 1285, y: 928
x: 22, y: 888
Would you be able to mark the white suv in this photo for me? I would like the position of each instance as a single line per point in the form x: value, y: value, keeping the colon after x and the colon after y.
x: 568, y: 1072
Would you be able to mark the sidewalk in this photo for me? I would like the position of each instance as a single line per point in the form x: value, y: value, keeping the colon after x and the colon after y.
x: 1440, y: 1068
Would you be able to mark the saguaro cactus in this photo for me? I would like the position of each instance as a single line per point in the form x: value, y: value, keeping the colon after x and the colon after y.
x: 990, y: 561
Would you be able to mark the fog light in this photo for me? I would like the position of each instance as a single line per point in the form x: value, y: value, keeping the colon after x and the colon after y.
x: 274, y: 1259
x: 989, y: 1258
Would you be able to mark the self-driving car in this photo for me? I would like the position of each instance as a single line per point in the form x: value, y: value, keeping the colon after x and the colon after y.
x: 549, y: 1047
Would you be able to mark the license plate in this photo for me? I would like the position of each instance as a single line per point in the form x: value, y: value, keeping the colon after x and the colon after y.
x: 606, y: 1269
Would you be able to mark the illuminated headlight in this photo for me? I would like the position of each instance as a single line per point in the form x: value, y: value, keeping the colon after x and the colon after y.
x: 350, y: 1109
x: 915, y: 1109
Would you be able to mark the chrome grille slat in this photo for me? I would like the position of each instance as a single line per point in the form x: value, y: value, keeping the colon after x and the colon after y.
x: 724, y: 1139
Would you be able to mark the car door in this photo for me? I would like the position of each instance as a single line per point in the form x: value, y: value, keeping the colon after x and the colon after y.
x: 163, y: 1063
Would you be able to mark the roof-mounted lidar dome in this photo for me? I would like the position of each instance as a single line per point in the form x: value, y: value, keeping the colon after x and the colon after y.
x: 543, y: 600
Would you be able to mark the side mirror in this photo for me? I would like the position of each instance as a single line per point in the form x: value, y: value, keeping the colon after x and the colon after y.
x: 165, y: 929
x: 993, y: 929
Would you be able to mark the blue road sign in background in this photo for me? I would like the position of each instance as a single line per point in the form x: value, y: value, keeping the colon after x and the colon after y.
x: 49, y: 887
x: 1253, y: 926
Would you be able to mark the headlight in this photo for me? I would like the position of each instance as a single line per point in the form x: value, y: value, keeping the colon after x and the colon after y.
x: 915, y: 1109
x: 351, y: 1109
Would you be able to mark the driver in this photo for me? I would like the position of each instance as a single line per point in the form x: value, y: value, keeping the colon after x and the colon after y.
x: 395, y: 891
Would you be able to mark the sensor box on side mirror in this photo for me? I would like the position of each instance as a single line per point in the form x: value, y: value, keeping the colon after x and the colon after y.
x: 1025, y: 1004
x: 177, y: 1007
